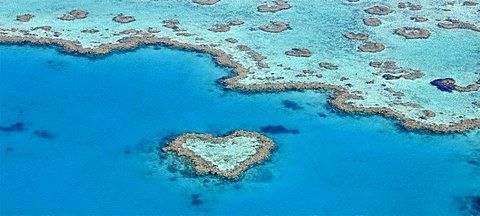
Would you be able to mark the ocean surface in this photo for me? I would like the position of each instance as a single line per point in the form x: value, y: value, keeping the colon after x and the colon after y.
x: 88, y: 131
x: 318, y: 25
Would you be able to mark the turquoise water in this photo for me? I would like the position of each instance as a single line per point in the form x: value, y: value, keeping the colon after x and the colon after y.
x: 106, y: 118
x: 317, y: 25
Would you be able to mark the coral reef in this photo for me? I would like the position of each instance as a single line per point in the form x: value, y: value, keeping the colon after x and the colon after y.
x: 236, y: 22
x: 90, y: 31
x: 299, y: 52
x: 24, y: 17
x: 171, y: 24
x: 409, y: 5
x: 371, y: 47
x: 339, y: 100
x: 328, y: 66
x: 419, y: 19
x: 390, y: 71
x: 413, y: 32
x: 372, y: 22
x: 275, y: 27
x: 278, y: 6
x: 379, y: 10
x: 206, y: 2
x: 469, y: 3
x: 257, y: 57
x: 456, y: 24
x: 220, y: 28
x: 357, y: 36
x: 74, y: 14
x: 449, y: 85
x: 120, y: 18
x: 228, y: 156
x: 231, y: 40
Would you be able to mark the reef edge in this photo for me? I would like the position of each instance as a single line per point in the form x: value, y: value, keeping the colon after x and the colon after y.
x: 338, y: 99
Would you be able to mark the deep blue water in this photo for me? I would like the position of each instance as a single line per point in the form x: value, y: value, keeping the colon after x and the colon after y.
x: 91, y: 127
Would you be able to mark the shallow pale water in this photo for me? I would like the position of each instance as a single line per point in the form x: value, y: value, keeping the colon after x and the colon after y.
x: 107, y: 116
x: 318, y: 25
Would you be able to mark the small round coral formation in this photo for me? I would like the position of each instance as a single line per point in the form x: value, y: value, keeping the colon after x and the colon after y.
x: 413, y: 32
x: 371, y: 47
x: 379, y: 10
x: 120, y: 18
x: 74, y: 14
x: 299, y: 52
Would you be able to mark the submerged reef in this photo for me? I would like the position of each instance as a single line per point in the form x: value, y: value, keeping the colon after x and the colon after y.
x: 45, y: 28
x: 470, y: 3
x: 196, y: 200
x: 44, y: 134
x: 470, y: 205
x: 90, y: 31
x: 291, y: 105
x: 371, y: 46
x: 278, y: 129
x: 413, y: 32
x: 410, y: 6
x: 258, y: 47
x: 379, y: 10
x: 278, y: 6
x: 275, y: 27
x: 220, y: 28
x: 419, y: 19
x: 120, y: 18
x: 206, y: 2
x: 228, y: 156
x: 372, y: 22
x: 299, y: 52
x: 357, y: 36
x: 17, y: 127
x: 389, y: 70
x: 24, y: 17
x: 456, y: 24
x: 74, y: 14
x: 328, y: 66
x: 449, y: 85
